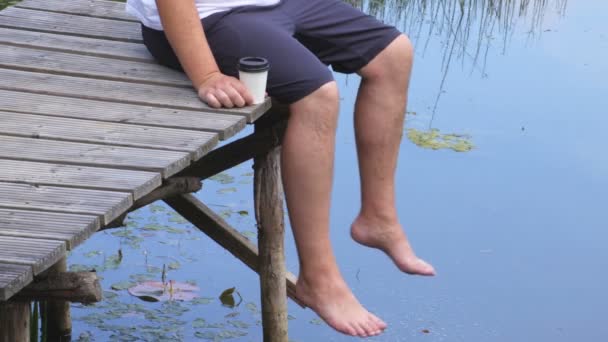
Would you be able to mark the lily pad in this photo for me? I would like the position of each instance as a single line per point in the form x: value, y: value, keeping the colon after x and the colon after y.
x: 177, y: 218
x: 226, y: 190
x: 222, y: 178
x: 202, y: 300
x: 434, y: 139
x: 122, y: 285
x: 164, y: 292
x: 92, y: 254
x: 316, y: 321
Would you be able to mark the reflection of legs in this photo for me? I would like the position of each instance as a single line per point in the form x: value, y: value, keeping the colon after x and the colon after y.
x: 307, y: 167
x: 379, y: 119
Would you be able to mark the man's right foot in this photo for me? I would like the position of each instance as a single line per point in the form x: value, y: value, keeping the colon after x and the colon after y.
x: 390, y: 238
x: 335, y: 303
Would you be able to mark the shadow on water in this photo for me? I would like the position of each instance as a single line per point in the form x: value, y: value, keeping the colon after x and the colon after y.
x: 497, y: 222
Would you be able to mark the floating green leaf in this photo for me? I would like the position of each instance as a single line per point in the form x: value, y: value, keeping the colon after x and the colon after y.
x: 227, y: 298
x: 222, y: 178
x: 82, y: 268
x: 226, y: 190
x: 249, y: 234
x: 316, y: 321
x: 92, y: 254
x: 164, y: 292
x: 157, y: 208
x: 239, y: 324
x: 252, y: 307
x: 177, y: 218
x: 202, y: 300
x: 122, y: 285
x: 435, y: 140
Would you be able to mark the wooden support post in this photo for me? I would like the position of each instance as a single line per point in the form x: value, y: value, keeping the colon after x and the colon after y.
x: 268, y: 197
x: 57, y: 312
x: 15, y: 321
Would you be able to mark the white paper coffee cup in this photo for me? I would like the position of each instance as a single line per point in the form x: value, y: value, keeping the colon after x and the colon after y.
x: 253, y: 72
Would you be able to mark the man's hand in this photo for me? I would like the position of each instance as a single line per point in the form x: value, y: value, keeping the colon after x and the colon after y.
x: 219, y: 90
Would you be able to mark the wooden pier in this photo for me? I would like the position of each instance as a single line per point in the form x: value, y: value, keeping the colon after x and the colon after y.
x: 92, y: 128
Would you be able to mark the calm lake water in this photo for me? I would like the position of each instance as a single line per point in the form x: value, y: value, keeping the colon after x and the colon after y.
x: 515, y: 227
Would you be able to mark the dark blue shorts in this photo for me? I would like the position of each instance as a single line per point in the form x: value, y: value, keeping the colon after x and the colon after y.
x: 300, y: 38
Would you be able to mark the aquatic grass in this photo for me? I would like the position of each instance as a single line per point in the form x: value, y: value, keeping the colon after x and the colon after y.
x: 468, y: 29
x: 6, y: 3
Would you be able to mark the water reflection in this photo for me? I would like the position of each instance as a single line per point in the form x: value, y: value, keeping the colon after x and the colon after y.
x: 467, y: 29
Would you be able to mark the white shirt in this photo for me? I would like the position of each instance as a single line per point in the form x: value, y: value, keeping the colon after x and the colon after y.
x: 147, y: 12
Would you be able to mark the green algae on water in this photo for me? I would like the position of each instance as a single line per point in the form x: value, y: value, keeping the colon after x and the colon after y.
x: 434, y: 139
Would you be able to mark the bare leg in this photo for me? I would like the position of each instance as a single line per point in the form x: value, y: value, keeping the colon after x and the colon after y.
x: 379, y: 119
x: 307, y: 168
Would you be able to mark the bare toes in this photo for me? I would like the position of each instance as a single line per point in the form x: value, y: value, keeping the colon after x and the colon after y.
x: 379, y: 323
x: 359, y: 329
x: 344, y: 328
x: 370, y: 327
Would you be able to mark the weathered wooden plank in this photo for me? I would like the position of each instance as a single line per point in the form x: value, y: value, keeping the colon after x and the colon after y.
x: 107, y: 133
x: 74, y: 25
x: 39, y: 254
x: 108, y: 205
x: 226, y: 125
x: 76, y: 45
x: 31, y: 149
x: 138, y: 183
x: 32, y: 59
x: 115, y: 91
x: 13, y: 277
x: 73, y: 229
x: 92, y: 8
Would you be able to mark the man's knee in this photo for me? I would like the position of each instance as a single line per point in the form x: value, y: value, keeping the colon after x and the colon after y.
x: 319, y: 109
x: 325, y: 97
x: 396, y: 60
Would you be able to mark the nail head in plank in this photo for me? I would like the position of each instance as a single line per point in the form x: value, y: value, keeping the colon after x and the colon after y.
x: 115, y: 91
x: 93, y: 8
x: 138, y: 183
x: 37, y: 60
x: 40, y: 254
x: 73, y: 229
x: 226, y: 125
x: 76, y: 45
x: 107, y: 133
x: 71, y: 153
x: 13, y: 277
x: 75, y: 25
x: 106, y: 204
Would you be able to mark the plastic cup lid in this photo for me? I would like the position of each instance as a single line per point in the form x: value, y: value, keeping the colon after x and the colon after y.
x: 253, y: 64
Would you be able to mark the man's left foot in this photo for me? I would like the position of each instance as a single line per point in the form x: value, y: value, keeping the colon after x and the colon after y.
x: 390, y: 238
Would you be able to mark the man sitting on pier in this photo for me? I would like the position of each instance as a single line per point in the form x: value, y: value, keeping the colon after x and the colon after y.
x: 300, y: 38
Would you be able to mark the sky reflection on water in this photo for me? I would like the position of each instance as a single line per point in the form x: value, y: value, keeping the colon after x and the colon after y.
x: 516, y: 227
